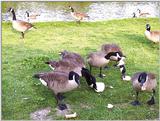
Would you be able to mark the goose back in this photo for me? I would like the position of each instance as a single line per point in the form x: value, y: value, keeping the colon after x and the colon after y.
x: 107, y: 48
x: 97, y: 59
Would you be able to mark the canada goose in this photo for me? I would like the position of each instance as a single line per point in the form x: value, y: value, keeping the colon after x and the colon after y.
x: 31, y: 16
x: 73, y: 57
x: 19, y: 25
x: 99, y: 59
x: 152, y: 35
x: 59, y: 82
x: 142, y: 14
x: 65, y: 65
x: 143, y: 81
x: 78, y: 16
x: 134, y: 15
x: 107, y: 48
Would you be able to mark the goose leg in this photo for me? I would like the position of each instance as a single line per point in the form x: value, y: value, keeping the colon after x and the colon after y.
x: 60, y: 96
x: 90, y: 68
x: 136, y: 102
x: 22, y: 35
x: 151, y: 101
x: 106, y: 67
x: 100, y: 74
x: 61, y: 106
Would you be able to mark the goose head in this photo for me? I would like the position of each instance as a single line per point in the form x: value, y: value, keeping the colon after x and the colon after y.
x: 74, y: 76
x: 134, y: 14
x: 148, y: 27
x: 27, y: 13
x: 10, y: 10
x: 118, y: 55
x: 71, y: 8
x: 139, y: 10
x: 63, y: 53
x: 91, y: 81
x: 52, y: 64
x: 142, y: 78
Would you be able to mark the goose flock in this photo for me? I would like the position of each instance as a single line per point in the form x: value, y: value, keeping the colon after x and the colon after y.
x: 66, y: 73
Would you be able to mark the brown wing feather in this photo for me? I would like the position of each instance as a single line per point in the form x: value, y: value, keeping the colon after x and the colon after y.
x: 80, y: 14
x: 107, y: 48
x: 25, y: 24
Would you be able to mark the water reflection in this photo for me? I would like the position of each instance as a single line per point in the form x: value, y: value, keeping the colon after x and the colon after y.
x: 59, y: 11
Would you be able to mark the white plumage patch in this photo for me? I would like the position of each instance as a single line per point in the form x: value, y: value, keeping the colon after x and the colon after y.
x: 121, y: 62
x: 100, y: 86
x: 143, y: 88
x: 43, y: 82
x: 127, y: 78
x: 51, y: 67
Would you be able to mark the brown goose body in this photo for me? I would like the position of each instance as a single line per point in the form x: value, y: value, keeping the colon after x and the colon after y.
x: 142, y: 14
x: 77, y: 15
x: 107, y: 48
x: 152, y: 35
x: 144, y: 81
x: 19, y: 25
x: 97, y: 59
x: 31, y: 17
x: 65, y: 65
x: 149, y: 85
x: 57, y: 81
x: 74, y: 57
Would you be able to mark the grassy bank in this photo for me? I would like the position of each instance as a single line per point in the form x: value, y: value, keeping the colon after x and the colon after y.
x: 21, y: 94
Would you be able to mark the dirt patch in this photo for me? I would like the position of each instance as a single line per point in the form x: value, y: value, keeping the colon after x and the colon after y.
x: 122, y: 105
x: 85, y: 106
x: 62, y: 113
x: 41, y: 114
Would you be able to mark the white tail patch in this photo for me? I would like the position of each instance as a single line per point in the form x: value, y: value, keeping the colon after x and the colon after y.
x: 43, y: 82
x: 143, y: 88
x: 100, y: 87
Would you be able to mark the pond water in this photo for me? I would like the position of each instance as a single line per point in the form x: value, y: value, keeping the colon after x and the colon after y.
x: 98, y: 11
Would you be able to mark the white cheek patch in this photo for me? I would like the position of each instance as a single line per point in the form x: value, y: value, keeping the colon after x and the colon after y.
x: 11, y: 10
x: 121, y: 69
x: 100, y: 87
x: 51, y: 67
x: 91, y: 85
x: 43, y: 82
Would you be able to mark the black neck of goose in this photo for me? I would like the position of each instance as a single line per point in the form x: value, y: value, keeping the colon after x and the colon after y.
x: 73, y: 74
x: 139, y: 11
x: 123, y: 70
x: 14, y: 15
x: 148, y: 28
x: 72, y: 9
x: 142, y: 78
x: 27, y: 14
x: 89, y: 78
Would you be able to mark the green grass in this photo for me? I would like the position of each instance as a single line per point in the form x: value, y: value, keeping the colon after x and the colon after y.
x: 21, y: 60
